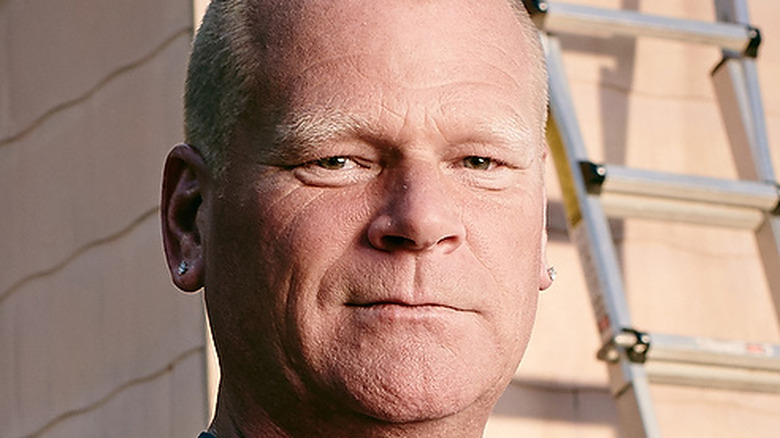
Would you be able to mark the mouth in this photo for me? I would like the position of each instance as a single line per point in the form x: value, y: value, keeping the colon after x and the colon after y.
x: 396, y: 311
x: 403, y: 305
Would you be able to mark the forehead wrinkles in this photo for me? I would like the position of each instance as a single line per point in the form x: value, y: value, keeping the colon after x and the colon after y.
x: 491, y: 117
x: 303, y: 132
x: 331, y: 31
x: 398, y: 31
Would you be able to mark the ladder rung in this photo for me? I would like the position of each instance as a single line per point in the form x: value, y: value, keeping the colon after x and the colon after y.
x: 708, y: 362
x: 621, y: 179
x: 618, y: 205
x: 715, y: 352
x: 713, y: 377
x: 628, y: 192
x: 562, y: 17
x: 591, y: 192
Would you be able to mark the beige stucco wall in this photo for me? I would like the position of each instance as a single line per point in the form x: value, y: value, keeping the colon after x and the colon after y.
x: 96, y: 342
x: 660, y: 113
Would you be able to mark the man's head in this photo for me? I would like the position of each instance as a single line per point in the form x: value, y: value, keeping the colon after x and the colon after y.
x: 368, y: 220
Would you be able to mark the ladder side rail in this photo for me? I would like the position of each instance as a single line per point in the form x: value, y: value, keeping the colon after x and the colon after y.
x: 732, y: 93
x: 589, y: 228
x: 732, y: 11
x: 751, y: 156
x: 738, y: 72
x: 674, y: 362
x: 760, y: 147
x: 588, y: 209
x: 736, y: 85
x: 768, y: 240
x: 635, y: 406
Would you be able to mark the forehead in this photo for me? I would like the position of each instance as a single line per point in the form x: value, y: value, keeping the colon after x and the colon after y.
x: 459, y: 61
x: 423, y: 27
x: 414, y: 43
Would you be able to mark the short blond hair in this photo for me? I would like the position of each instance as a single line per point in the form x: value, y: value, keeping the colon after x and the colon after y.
x: 228, y: 72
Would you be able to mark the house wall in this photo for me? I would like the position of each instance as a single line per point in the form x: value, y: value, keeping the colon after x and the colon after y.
x: 650, y: 104
x: 94, y: 339
x: 96, y: 342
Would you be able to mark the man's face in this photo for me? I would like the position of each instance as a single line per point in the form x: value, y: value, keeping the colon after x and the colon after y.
x: 383, y: 252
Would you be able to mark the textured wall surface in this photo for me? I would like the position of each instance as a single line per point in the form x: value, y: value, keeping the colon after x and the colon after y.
x: 650, y: 104
x: 94, y: 340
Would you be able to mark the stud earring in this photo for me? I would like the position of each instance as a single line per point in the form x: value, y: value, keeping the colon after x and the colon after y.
x: 183, y: 268
x: 552, y: 273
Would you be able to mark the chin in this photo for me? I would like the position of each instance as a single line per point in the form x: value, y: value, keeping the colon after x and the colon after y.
x: 431, y: 407
x: 418, y: 382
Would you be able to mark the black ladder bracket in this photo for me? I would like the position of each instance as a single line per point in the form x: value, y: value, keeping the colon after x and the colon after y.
x: 535, y: 7
x: 635, y: 343
x: 593, y: 193
x: 593, y: 175
x: 751, y: 51
x: 776, y: 211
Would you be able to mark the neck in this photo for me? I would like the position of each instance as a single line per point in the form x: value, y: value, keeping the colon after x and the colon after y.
x: 234, y: 419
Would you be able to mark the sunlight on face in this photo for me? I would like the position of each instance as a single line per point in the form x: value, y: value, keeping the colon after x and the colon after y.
x: 383, y: 250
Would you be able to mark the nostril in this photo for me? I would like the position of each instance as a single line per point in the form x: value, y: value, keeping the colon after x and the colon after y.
x: 418, y: 229
x: 396, y: 242
x: 453, y: 239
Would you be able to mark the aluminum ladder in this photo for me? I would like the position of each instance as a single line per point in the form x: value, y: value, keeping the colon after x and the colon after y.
x: 594, y: 191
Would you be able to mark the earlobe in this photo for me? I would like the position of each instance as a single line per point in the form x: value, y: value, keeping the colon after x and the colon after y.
x: 185, y: 179
x: 546, y: 277
x: 547, y: 273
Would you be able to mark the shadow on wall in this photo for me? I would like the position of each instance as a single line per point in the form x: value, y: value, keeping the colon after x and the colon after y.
x: 555, y: 401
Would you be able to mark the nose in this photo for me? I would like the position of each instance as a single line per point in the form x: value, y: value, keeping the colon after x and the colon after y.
x: 418, y: 213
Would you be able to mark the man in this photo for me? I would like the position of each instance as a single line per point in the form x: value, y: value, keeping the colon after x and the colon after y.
x: 362, y: 198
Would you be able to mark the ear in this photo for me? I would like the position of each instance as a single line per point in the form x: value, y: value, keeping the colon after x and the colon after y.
x: 545, y: 277
x: 185, y: 179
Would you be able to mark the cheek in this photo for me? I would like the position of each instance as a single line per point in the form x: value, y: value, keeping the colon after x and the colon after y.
x: 285, y: 225
x: 271, y: 248
x: 507, y: 237
x: 306, y: 235
x: 312, y: 229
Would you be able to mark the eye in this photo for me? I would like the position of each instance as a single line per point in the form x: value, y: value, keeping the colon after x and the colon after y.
x: 335, y: 171
x: 485, y: 171
x: 478, y: 163
x: 331, y: 163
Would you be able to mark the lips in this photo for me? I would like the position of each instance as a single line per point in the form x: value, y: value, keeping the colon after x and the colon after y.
x: 411, y: 306
x: 388, y: 314
x: 404, y: 283
x: 420, y: 298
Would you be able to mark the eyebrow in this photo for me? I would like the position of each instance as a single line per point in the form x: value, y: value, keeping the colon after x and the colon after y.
x: 300, y: 135
x: 510, y: 130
